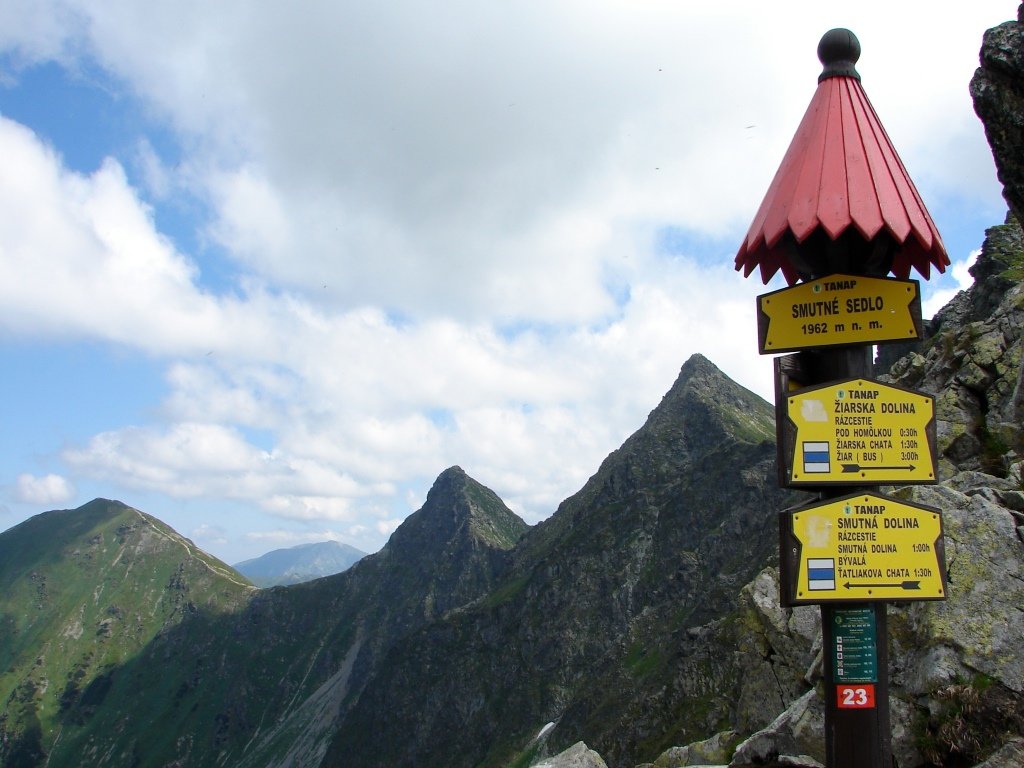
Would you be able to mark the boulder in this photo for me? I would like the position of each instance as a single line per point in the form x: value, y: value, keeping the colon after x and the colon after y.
x: 579, y: 755
x: 798, y: 733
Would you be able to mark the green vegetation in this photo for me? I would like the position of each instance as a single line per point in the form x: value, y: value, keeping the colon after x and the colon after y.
x: 642, y: 661
x: 506, y: 592
x: 82, y: 594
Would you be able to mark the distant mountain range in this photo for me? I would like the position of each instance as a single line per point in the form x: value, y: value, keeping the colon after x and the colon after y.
x: 294, y: 565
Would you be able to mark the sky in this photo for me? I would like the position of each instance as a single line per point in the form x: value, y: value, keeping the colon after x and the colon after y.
x: 267, y: 269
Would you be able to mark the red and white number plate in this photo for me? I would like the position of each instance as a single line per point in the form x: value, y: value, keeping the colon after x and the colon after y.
x: 860, y: 696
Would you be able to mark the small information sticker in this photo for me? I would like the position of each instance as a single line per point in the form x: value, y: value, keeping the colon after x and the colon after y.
x: 855, y: 645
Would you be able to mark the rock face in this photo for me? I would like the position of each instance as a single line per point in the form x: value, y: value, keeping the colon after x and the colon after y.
x: 972, y: 363
x: 576, y: 756
x: 998, y: 92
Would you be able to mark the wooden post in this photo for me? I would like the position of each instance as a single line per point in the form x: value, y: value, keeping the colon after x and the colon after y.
x: 856, y: 736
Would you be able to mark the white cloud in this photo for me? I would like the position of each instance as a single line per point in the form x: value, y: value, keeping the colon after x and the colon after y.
x: 188, y: 460
x: 81, y: 256
x: 471, y: 164
x: 32, y: 34
x: 209, y: 535
x: 386, y: 527
x: 45, y: 490
x: 444, y: 222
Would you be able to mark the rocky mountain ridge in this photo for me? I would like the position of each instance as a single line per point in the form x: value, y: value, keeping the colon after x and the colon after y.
x: 253, y: 680
x: 288, y: 672
x: 647, y: 546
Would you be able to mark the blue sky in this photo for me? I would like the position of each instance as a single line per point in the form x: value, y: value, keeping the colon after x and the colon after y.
x: 266, y: 273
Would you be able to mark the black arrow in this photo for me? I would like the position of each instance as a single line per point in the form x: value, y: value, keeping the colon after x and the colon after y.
x: 858, y: 468
x: 908, y: 585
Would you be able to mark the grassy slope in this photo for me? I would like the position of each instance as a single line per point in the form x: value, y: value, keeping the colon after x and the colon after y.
x: 81, y: 593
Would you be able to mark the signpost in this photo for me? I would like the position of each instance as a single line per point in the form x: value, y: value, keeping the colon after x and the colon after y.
x: 856, y: 432
x: 836, y: 231
x: 839, y: 310
x: 861, y: 547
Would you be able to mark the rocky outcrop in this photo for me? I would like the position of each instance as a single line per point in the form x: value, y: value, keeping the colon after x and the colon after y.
x: 1010, y: 756
x: 576, y: 756
x: 960, y: 657
x: 972, y: 364
x: 794, y: 738
x: 955, y: 669
x: 998, y: 92
x: 710, y: 752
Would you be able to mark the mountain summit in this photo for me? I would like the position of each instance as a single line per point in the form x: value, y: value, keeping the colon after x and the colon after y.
x: 445, y: 554
x: 124, y: 644
x: 458, y: 510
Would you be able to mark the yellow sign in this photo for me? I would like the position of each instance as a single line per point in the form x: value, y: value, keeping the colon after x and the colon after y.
x: 864, y: 547
x: 839, y: 310
x: 858, y: 432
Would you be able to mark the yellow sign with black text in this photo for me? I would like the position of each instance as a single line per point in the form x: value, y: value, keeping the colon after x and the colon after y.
x: 858, y: 432
x: 839, y: 310
x: 863, y: 547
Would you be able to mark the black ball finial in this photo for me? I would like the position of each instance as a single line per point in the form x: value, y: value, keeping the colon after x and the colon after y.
x: 838, y: 52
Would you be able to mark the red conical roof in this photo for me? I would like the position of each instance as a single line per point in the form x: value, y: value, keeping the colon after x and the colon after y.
x: 841, y: 171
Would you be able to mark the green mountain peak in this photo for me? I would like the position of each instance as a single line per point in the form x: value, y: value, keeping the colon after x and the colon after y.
x: 81, y: 592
